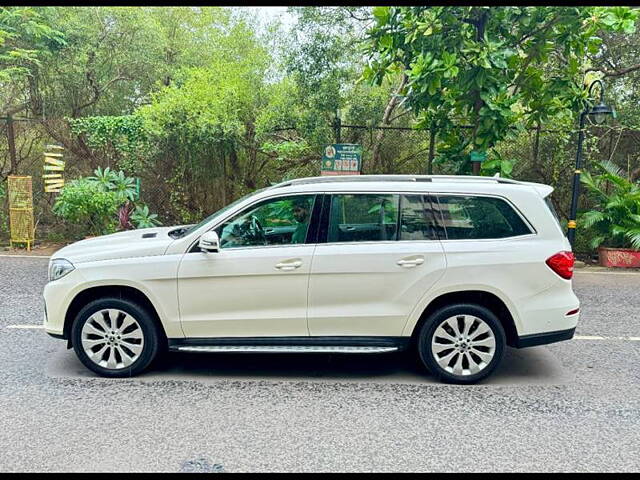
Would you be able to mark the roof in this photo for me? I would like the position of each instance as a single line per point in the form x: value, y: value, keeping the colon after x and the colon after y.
x: 413, y: 180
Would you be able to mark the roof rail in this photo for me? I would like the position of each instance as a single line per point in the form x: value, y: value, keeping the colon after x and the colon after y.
x: 393, y: 178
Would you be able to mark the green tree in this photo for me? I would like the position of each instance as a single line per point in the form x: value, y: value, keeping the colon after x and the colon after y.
x: 497, y: 69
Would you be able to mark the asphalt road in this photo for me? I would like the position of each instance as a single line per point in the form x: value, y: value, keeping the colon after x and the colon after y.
x: 571, y: 406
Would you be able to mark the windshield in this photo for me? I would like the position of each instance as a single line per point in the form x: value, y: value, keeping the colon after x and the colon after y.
x: 219, y: 212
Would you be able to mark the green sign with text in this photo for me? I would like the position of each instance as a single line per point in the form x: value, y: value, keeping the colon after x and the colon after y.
x: 341, y: 159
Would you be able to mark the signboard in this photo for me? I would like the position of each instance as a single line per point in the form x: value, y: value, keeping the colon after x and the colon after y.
x: 341, y: 159
x: 53, y: 167
x: 478, y: 156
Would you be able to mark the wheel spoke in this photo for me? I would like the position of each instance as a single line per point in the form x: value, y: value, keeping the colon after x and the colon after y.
x: 453, y: 323
x: 90, y: 329
x: 468, y: 321
x: 111, y: 359
x: 88, y: 343
x: 135, y: 348
x: 457, y: 368
x: 127, y: 322
x: 113, y: 318
x: 441, y: 347
x: 482, y: 328
x: 97, y: 355
x: 441, y: 332
x: 135, y: 335
x: 126, y: 359
x: 486, y: 357
x: 473, y: 365
x: 487, y: 342
x: 98, y: 318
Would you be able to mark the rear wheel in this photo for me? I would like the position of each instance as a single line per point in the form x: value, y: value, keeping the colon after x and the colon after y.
x: 461, y: 343
x: 115, y: 337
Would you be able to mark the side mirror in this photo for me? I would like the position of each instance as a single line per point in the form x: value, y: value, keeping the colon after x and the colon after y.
x: 209, y: 242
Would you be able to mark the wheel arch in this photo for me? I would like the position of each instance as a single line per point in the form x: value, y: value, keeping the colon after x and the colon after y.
x: 480, y: 297
x: 124, y: 292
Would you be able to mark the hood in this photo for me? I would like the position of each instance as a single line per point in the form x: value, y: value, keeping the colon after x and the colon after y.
x: 128, y: 244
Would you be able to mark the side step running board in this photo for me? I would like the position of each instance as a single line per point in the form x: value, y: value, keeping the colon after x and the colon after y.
x: 282, y: 349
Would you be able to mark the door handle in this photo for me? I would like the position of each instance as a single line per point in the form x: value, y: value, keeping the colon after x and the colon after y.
x: 410, y: 263
x: 289, y: 265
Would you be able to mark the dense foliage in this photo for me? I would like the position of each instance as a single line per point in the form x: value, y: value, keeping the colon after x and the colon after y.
x: 204, y: 104
x: 615, y: 220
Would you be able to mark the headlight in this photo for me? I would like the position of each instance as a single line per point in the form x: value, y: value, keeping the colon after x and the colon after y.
x: 58, y: 268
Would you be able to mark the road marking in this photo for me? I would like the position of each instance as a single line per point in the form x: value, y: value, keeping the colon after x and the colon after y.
x: 25, y: 256
x: 609, y: 273
x: 25, y: 326
x: 597, y: 337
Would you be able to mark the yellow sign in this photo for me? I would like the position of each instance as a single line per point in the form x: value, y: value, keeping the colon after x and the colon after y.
x: 20, y: 210
x: 53, y: 167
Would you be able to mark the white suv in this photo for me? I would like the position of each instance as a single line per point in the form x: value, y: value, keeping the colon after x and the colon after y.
x: 454, y: 267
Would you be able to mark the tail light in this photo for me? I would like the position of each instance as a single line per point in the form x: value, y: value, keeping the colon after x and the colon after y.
x: 562, y: 264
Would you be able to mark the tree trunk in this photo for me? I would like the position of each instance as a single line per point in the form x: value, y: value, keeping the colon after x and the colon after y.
x: 388, y: 111
x: 432, y: 143
x: 479, y: 103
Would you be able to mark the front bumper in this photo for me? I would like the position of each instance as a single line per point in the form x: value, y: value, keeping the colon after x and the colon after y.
x: 57, y: 297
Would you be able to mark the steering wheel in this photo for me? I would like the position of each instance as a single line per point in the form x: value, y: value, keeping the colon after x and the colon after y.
x: 257, y: 231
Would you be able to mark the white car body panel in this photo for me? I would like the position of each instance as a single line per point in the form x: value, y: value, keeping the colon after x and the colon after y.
x: 359, y: 289
x: 240, y: 292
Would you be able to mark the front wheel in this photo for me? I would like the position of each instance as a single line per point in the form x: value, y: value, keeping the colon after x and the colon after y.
x: 461, y: 343
x: 115, y: 337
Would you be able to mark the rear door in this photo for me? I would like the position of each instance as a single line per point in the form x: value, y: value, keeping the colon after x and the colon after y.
x: 377, y: 255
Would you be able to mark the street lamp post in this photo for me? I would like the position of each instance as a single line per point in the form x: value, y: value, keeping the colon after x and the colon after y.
x: 599, y: 115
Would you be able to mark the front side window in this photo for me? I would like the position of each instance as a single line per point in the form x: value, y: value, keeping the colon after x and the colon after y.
x: 279, y: 221
x: 363, y: 218
x: 479, y: 218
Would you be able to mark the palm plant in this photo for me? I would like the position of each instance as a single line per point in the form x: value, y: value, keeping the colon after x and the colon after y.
x: 615, y: 221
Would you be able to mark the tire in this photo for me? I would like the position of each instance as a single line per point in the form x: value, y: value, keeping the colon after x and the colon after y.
x: 476, y: 351
x: 131, y: 348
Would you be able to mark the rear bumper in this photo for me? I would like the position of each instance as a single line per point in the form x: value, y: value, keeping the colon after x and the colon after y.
x: 544, y: 338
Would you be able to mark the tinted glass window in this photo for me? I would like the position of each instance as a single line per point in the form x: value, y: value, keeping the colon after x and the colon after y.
x: 279, y: 221
x: 416, y: 218
x: 479, y: 217
x: 363, y: 217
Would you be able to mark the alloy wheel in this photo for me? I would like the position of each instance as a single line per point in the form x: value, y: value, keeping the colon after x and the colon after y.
x: 112, y: 339
x: 463, y: 345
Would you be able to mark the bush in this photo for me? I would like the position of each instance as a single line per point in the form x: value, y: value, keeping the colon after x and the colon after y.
x: 87, y: 203
x: 98, y: 202
x: 615, y: 222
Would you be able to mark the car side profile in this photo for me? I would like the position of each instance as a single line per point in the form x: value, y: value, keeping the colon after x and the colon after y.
x: 454, y: 268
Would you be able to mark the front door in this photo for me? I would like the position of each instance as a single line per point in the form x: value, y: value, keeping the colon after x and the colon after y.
x: 256, y: 285
x: 381, y: 255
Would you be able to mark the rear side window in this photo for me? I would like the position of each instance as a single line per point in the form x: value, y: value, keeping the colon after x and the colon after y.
x: 363, y: 218
x: 467, y: 217
x: 417, y: 221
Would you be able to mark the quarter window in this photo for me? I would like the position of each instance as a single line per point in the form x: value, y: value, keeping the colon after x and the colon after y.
x: 479, y: 218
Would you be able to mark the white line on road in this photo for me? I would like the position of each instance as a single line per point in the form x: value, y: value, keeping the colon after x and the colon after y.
x: 26, y: 326
x: 597, y: 337
x: 608, y: 273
